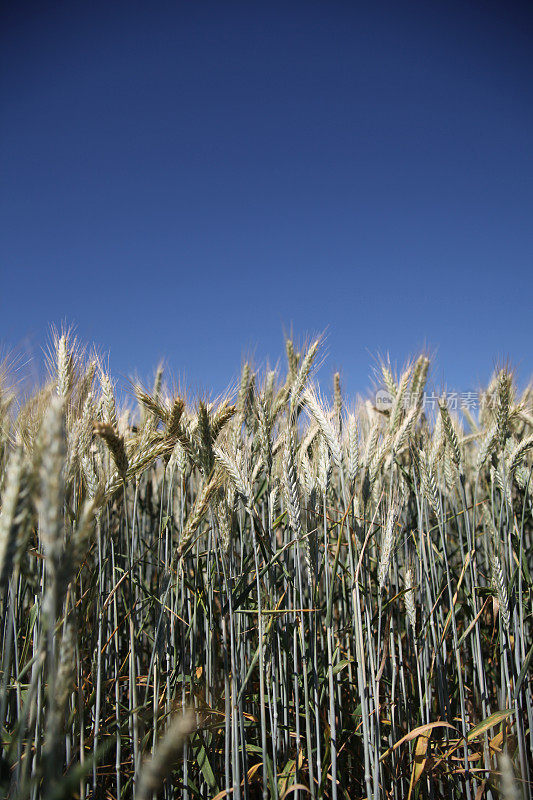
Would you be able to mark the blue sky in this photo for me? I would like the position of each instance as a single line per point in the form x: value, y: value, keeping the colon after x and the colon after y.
x: 187, y: 180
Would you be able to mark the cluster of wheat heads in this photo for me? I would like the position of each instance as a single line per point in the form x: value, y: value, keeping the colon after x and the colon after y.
x: 265, y: 597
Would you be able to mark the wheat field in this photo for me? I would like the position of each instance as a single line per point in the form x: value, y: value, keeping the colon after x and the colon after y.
x: 271, y: 594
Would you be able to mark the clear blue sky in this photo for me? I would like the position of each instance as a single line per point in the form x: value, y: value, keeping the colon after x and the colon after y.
x: 188, y: 179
